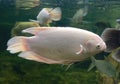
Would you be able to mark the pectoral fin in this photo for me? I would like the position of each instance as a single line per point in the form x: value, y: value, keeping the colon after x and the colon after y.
x: 81, y: 50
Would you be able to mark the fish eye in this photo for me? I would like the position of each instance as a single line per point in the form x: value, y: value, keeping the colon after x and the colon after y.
x: 98, y: 47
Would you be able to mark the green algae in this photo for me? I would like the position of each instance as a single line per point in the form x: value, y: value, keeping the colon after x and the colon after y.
x: 16, y: 70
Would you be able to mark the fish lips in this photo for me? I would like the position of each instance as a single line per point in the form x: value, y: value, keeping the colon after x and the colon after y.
x: 104, y: 47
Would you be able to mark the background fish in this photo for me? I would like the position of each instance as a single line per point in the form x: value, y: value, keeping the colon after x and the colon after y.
x: 27, y: 4
x: 111, y: 36
x: 56, y: 45
x: 47, y: 15
x: 78, y: 16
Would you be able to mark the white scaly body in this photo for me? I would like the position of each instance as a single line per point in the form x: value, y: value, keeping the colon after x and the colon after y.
x: 59, y: 45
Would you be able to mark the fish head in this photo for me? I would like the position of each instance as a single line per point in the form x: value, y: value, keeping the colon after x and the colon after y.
x: 95, y: 45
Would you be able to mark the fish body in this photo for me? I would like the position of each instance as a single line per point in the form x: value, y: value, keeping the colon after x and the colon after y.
x: 44, y: 15
x: 47, y: 15
x: 56, y: 45
x: 78, y: 16
x: 27, y: 4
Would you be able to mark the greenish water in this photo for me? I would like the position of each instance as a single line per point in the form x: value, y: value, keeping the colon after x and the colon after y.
x: 101, y: 14
x: 15, y: 70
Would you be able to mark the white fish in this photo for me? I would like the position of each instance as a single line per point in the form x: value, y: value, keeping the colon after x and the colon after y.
x: 47, y: 15
x: 78, y: 16
x: 56, y: 45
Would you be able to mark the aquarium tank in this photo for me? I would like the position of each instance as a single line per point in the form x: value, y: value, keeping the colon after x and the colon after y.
x: 102, y: 17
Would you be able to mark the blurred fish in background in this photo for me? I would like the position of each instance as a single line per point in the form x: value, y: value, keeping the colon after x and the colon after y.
x: 111, y: 37
x: 26, y: 4
x: 47, y: 15
x: 80, y: 13
x: 78, y: 16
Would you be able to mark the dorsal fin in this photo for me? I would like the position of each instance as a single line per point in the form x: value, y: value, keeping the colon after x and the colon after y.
x: 36, y: 30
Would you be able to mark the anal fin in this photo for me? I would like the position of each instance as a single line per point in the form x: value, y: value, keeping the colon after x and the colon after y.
x: 33, y: 56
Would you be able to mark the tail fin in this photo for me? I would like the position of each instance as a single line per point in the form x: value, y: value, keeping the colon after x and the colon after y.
x: 17, y: 44
x: 111, y: 37
x: 56, y: 14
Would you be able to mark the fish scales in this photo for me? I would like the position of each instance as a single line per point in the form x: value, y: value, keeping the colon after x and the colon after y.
x: 57, y: 45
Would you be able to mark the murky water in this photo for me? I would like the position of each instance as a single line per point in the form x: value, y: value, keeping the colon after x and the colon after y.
x: 92, y: 15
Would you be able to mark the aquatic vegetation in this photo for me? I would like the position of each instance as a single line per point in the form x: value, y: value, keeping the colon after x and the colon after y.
x: 106, y: 79
x: 103, y: 66
x: 111, y: 38
x: 16, y: 70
